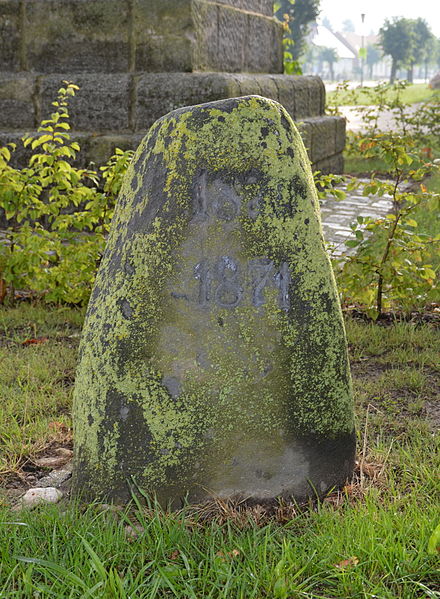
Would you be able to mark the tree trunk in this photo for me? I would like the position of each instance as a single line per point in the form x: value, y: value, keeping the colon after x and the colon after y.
x: 410, y: 74
x: 393, y: 71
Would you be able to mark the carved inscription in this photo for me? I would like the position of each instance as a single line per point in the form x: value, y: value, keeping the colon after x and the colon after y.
x: 223, y: 283
x: 225, y: 204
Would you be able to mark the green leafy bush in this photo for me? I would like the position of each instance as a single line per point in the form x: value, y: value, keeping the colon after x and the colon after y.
x: 58, y: 214
x: 395, y: 265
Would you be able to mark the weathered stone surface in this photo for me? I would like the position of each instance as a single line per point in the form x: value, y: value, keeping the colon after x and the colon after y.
x: 213, y: 357
x: 163, y: 35
x: 160, y: 93
x: 263, y: 33
x: 235, y: 40
x: 51, y: 36
x: 340, y: 125
x: 135, y: 60
x: 323, y: 140
x: 10, y: 53
x: 102, y: 104
x: 17, y: 100
x: 76, y: 35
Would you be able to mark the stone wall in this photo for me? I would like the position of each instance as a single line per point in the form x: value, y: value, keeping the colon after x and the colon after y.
x: 136, y: 60
x: 112, y: 36
x: 117, y: 109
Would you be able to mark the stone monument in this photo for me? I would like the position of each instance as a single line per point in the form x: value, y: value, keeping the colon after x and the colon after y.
x: 136, y: 60
x: 213, y: 357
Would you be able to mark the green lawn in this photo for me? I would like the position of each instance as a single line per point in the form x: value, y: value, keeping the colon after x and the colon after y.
x: 357, y: 166
x: 363, y: 96
x: 369, y: 541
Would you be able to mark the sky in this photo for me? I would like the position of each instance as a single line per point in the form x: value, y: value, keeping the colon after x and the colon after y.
x: 376, y: 11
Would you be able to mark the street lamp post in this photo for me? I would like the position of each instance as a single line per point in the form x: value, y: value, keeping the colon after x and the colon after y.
x: 363, y: 50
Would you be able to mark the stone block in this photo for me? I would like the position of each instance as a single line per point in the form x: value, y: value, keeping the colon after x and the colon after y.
x: 163, y: 34
x: 249, y: 84
x: 218, y: 353
x: 264, y: 7
x: 277, y: 54
x: 206, y: 55
x: 77, y: 35
x: 268, y: 87
x: 332, y: 164
x: 10, y: 35
x: 316, y: 96
x: 262, y: 52
x: 340, y: 133
x: 17, y: 101
x: 161, y: 54
x: 301, y: 89
x: 323, y: 132
x: 102, y: 103
x: 234, y: 40
x: 285, y: 92
x: 158, y: 94
x: 232, y: 27
x: 101, y: 147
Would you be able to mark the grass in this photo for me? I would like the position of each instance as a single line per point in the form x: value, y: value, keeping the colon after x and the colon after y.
x: 433, y: 183
x: 358, y: 166
x: 36, y: 379
x: 363, y: 96
x: 369, y: 541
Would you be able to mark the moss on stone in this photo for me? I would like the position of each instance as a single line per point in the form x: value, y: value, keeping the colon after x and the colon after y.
x: 207, y: 379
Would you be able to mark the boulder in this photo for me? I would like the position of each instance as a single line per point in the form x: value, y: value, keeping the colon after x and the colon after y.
x: 213, y: 358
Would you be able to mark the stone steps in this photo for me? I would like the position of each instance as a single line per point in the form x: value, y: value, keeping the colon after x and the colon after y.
x: 113, y: 109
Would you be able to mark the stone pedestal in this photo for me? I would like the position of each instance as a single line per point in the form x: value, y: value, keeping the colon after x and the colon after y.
x: 136, y: 60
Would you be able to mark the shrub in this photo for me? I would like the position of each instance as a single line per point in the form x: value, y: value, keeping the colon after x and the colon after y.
x: 394, y: 265
x: 58, y: 214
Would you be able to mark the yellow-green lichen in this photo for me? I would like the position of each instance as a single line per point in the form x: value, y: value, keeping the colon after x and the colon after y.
x: 192, y: 378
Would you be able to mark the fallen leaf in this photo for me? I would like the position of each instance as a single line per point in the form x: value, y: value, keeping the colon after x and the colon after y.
x: 133, y: 532
x: 58, y: 426
x: 174, y: 555
x: 35, y: 341
x: 63, y: 451
x: 51, y: 461
x: 351, y: 561
x: 230, y: 554
x: 370, y: 470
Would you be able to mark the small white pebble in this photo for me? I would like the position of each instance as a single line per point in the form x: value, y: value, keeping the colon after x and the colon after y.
x: 39, y: 495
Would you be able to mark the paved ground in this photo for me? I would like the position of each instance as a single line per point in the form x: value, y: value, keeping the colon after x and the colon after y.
x: 338, y: 215
x: 385, y: 121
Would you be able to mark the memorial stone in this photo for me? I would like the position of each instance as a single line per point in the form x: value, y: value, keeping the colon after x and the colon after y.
x: 213, y: 358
